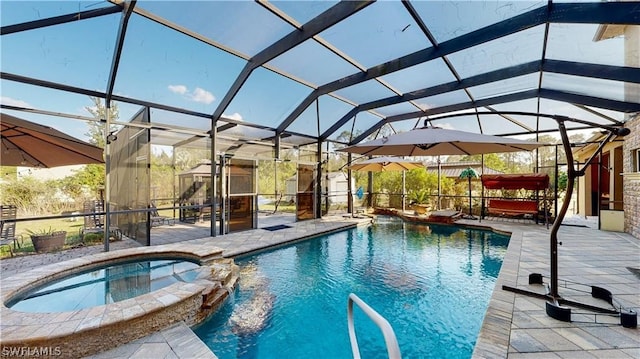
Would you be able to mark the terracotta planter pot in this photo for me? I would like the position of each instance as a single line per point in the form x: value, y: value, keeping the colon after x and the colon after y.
x: 49, y: 242
x: 421, y: 208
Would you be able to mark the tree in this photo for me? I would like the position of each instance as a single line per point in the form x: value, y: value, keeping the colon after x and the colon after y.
x: 32, y: 196
x: 345, y: 136
x: 491, y: 160
x: 420, y: 185
x: 99, y: 112
x: 563, y: 180
x: 161, y: 176
x: 92, y: 176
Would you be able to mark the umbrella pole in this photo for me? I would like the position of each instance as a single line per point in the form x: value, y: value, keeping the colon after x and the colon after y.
x: 553, y: 306
x: 470, y: 215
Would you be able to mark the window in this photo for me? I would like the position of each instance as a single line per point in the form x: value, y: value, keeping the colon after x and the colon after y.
x: 635, y: 160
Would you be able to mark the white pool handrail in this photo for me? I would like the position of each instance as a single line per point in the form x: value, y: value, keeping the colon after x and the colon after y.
x: 387, y: 331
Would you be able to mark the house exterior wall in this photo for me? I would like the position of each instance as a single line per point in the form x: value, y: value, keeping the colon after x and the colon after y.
x: 616, y: 185
x: 584, y: 201
x: 631, y: 179
x: 589, y: 182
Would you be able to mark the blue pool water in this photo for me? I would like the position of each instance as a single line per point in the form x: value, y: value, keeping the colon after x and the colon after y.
x: 432, y: 283
x: 105, y: 285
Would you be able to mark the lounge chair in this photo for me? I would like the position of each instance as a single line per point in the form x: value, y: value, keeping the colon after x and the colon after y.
x: 94, y: 222
x: 158, y: 220
x: 8, y: 229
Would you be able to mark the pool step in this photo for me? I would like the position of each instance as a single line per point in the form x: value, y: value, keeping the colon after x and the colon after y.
x: 213, y: 297
x: 224, y: 271
x: 223, y: 279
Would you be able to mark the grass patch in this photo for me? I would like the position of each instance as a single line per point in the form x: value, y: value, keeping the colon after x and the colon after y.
x: 72, y: 240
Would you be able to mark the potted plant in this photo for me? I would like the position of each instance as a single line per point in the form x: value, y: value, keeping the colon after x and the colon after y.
x: 47, y: 240
x: 419, y: 202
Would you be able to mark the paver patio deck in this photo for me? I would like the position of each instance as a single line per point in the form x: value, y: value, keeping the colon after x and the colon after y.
x: 515, y: 326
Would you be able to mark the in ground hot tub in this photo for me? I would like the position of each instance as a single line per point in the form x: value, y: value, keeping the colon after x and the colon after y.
x: 105, y: 285
x: 87, y: 305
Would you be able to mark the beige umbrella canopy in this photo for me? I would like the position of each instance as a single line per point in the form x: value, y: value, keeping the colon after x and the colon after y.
x: 433, y: 141
x: 382, y: 164
x: 29, y: 144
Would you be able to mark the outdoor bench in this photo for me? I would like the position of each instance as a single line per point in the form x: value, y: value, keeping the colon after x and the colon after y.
x: 508, y: 207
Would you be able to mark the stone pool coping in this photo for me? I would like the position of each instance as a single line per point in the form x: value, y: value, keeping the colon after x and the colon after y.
x: 117, y: 323
x: 494, y: 336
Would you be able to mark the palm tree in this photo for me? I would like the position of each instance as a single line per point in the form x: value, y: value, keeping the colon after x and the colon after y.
x: 469, y: 173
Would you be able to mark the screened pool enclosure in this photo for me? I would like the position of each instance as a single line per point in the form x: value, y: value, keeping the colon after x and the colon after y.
x: 272, y: 89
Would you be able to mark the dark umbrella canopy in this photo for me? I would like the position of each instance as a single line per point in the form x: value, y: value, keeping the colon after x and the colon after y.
x: 29, y: 144
x: 433, y: 141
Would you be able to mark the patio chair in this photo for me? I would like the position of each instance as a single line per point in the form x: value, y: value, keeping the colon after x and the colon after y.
x: 158, y: 220
x: 94, y: 222
x: 8, y: 229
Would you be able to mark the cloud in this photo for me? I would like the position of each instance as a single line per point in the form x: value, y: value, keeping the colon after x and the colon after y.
x: 235, y: 116
x: 203, y: 96
x: 13, y: 102
x: 197, y: 95
x: 181, y: 89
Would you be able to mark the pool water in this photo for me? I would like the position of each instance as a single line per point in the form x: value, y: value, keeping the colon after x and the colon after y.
x: 432, y: 283
x: 105, y: 285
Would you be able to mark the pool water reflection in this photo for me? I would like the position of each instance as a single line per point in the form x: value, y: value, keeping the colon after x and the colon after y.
x: 432, y: 283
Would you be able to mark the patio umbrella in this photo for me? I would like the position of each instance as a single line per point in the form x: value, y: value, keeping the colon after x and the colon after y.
x: 382, y: 164
x: 29, y: 144
x: 469, y: 173
x: 433, y: 141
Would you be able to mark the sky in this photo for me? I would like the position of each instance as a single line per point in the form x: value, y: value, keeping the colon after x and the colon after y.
x: 166, y: 67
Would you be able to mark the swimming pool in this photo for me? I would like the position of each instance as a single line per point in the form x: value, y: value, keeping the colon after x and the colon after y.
x: 432, y: 283
x: 109, y: 284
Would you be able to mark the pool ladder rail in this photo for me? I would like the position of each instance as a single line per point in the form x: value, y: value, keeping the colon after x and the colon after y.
x: 393, y: 350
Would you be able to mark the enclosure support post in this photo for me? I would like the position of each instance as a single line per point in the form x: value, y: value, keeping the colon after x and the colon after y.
x: 439, y: 184
x: 369, y: 189
x: 404, y: 176
x: 326, y: 182
x: 599, y: 192
x: 555, y: 185
x: 223, y: 194
x: 173, y: 174
x: 318, y: 181
x: 350, y: 187
x: 107, y: 168
x: 214, y: 180
x: 481, y: 188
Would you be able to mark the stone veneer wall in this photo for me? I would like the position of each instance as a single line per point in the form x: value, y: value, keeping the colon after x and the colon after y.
x: 631, y: 182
